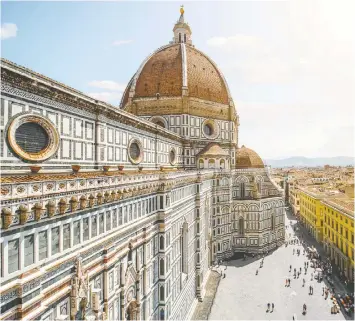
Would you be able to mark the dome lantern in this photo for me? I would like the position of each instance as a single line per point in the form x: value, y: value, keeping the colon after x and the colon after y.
x: 182, y: 31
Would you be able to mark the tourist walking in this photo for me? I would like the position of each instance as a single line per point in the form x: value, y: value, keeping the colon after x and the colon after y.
x: 272, y: 307
x: 268, y: 306
x: 304, y: 282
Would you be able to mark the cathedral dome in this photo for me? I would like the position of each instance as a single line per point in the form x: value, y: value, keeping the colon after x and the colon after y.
x: 179, y: 79
x: 176, y: 70
x: 247, y: 158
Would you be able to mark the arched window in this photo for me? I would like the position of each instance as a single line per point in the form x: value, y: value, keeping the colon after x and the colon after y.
x: 162, y: 314
x: 185, y: 37
x: 162, y: 296
x: 130, y: 253
x: 222, y: 164
x: 184, y: 248
x: 179, y: 37
x: 161, y: 245
x: 201, y: 164
x: 258, y: 184
x: 242, y: 190
x: 161, y: 267
x: 241, y: 226
x: 211, y: 163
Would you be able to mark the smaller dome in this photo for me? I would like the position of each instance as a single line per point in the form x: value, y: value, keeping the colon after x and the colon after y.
x: 247, y: 158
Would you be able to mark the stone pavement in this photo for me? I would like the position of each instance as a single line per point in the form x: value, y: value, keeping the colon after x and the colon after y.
x: 243, y: 295
x: 203, y: 308
x: 340, y: 287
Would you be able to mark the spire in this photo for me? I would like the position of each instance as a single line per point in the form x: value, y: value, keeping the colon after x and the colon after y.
x: 182, y: 31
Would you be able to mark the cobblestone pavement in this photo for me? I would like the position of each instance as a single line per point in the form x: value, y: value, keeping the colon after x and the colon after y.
x: 243, y: 295
x: 203, y: 308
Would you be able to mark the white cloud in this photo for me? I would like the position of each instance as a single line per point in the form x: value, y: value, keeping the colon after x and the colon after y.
x: 112, y: 90
x: 107, y: 84
x: 8, y: 30
x: 110, y: 97
x: 121, y: 42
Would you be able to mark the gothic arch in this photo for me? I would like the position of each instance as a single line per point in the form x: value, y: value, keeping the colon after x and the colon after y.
x: 241, y: 179
x: 225, y: 210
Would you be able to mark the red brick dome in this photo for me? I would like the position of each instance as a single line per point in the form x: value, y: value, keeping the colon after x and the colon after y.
x: 174, y: 69
x: 247, y: 158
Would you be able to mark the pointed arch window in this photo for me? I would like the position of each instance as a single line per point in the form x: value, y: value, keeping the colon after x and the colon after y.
x: 179, y: 37
x: 241, y: 225
x: 184, y: 248
x: 242, y: 190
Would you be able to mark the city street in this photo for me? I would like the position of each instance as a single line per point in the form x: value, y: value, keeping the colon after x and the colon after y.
x: 243, y: 295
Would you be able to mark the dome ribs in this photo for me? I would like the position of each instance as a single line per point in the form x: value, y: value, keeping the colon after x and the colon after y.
x: 161, y: 74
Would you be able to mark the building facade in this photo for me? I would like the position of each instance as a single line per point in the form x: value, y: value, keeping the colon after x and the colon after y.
x: 119, y: 213
x: 339, y: 233
x: 310, y: 212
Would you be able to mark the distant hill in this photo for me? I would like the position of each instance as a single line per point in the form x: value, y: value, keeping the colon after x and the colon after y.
x: 300, y: 161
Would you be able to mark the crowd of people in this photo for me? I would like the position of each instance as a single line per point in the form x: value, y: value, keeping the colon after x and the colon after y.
x: 320, y: 268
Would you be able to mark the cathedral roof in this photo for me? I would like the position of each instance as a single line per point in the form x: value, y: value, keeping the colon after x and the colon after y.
x: 247, y: 158
x: 173, y: 68
x: 178, y: 69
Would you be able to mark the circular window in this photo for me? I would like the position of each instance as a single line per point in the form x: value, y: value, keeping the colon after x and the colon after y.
x: 160, y: 123
x: 32, y: 137
x: 172, y: 157
x: 135, y: 151
x: 208, y: 130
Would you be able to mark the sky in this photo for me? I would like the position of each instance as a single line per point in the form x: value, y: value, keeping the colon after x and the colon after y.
x: 289, y: 64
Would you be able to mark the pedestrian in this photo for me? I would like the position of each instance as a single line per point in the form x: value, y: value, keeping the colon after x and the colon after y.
x: 323, y: 291
x: 304, y: 282
x: 290, y: 268
x: 256, y: 272
x: 300, y: 270
x: 289, y: 282
x: 286, y: 282
x: 268, y: 306
x: 272, y: 306
x: 310, y: 289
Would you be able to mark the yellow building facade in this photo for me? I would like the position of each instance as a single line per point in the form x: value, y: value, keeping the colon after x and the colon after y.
x: 330, y: 220
x: 339, y: 233
x: 310, y: 213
